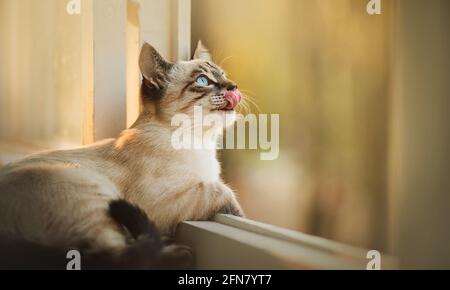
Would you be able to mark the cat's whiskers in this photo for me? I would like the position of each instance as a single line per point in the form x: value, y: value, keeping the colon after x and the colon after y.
x: 255, y: 105
x: 249, y: 101
x: 244, y: 106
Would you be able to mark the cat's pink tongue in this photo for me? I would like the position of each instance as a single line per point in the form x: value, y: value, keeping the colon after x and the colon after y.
x: 233, y: 98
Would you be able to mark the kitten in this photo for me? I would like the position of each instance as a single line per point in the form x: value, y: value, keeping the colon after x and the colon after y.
x: 62, y: 198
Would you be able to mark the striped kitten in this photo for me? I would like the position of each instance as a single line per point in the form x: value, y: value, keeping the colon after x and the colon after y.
x: 63, y: 198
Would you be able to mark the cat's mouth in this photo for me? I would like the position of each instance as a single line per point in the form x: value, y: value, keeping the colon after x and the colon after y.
x: 227, y: 101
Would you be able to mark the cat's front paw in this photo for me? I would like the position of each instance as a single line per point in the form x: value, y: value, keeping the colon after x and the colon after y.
x: 232, y: 208
x: 231, y: 205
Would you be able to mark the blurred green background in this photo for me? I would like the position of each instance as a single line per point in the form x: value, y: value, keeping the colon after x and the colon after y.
x: 327, y: 68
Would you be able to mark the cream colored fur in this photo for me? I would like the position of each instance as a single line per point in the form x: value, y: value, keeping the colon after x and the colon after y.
x: 61, y: 197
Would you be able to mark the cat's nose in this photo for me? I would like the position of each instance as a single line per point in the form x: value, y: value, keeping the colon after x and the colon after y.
x: 231, y: 87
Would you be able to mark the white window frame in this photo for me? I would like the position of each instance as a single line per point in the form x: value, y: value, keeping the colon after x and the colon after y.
x: 115, y: 102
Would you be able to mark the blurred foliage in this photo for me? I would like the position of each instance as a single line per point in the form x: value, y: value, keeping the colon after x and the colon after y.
x: 324, y: 67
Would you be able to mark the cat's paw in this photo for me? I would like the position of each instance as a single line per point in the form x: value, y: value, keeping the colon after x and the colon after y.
x: 232, y: 208
x: 230, y: 205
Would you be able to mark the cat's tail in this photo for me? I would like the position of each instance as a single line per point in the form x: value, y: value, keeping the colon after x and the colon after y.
x: 146, y: 251
x: 134, y: 219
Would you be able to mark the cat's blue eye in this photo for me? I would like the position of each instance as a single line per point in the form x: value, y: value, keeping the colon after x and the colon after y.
x: 202, y: 81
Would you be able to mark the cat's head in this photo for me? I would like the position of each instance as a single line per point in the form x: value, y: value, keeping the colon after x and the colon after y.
x: 175, y: 88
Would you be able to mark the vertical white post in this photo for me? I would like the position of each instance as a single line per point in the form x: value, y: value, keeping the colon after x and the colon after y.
x: 182, y: 29
x: 109, y: 29
x: 165, y: 24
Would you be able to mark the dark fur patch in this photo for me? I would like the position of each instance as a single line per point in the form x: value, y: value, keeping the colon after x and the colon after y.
x: 149, y: 92
x: 134, y: 219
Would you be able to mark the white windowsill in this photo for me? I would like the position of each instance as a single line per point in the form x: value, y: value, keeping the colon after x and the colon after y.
x: 13, y: 151
x: 231, y: 242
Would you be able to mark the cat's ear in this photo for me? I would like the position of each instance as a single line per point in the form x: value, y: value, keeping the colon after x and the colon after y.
x: 154, y: 67
x: 201, y: 52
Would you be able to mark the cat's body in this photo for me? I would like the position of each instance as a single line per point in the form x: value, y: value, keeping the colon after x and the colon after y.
x: 62, y: 198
